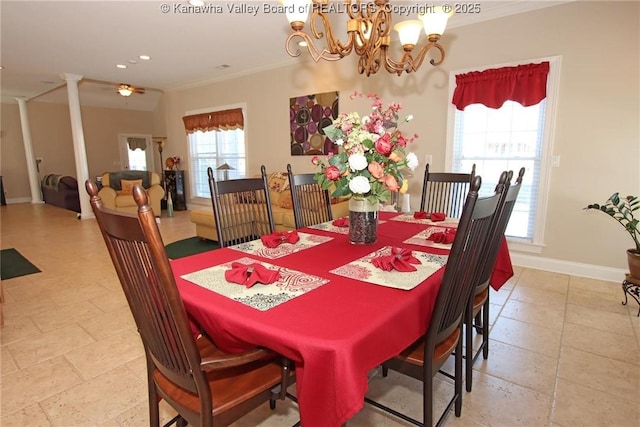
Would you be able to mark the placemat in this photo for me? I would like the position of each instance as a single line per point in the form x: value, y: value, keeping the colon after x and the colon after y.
x: 448, y: 222
x: 291, y: 284
x: 328, y: 226
x: 362, y: 269
x: 256, y: 247
x: 422, y: 238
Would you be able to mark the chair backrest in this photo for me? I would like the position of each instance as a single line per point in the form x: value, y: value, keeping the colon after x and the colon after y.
x: 445, y: 192
x: 496, y: 234
x: 241, y: 208
x: 462, y: 267
x: 311, y: 204
x: 139, y: 257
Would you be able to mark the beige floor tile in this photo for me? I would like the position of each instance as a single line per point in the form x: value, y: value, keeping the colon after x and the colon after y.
x: 139, y: 415
x: 527, y: 336
x: 138, y: 367
x: 18, y: 328
x: 595, y: 285
x: 619, y: 324
x: 65, y: 315
x: 602, y: 343
x: 15, y: 310
x: 106, y: 324
x: 601, y: 373
x: 30, y: 385
x: 113, y: 301
x: 523, y: 367
x: 8, y: 364
x: 79, y: 293
x: 578, y: 405
x: 598, y: 300
x: 31, y: 416
x: 536, y: 314
x: 495, y: 402
x: 38, y: 348
x: 531, y: 295
x: 499, y: 297
x: 101, y: 356
x: 544, y: 280
x: 96, y: 400
x: 34, y: 289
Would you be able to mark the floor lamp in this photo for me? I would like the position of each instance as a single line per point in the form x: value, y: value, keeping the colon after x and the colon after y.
x: 225, y: 168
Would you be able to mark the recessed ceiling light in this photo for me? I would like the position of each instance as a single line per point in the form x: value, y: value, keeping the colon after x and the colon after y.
x: 132, y: 61
x: 121, y: 66
x: 144, y: 57
x: 222, y: 67
x: 1, y: 67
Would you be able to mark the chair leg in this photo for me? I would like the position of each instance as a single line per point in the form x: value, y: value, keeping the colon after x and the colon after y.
x: 485, y: 329
x: 458, y: 380
x: 427, y: 401
x: 154, y: 409
x: 468, y: 351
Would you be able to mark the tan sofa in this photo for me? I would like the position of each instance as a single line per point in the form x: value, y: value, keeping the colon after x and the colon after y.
x: 115, y: 191
x: 281, y: 206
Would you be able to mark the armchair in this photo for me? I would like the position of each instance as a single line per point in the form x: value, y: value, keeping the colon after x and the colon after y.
x: 116, y: 192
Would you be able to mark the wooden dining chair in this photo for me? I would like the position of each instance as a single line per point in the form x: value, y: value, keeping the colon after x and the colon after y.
x: 424, y: 358
x: 241, y: 208
x: 311, y: 204
x: 477, y: 316
x: 445, y: 191
x: 205, y: 385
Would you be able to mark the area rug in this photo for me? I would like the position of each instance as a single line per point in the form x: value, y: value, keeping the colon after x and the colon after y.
x: 13, y: 264
x: 190, y: 246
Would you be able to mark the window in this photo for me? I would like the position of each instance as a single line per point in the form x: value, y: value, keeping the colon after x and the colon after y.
x: 500, y: 134
x: 216, y: 140
x: 213, y: 149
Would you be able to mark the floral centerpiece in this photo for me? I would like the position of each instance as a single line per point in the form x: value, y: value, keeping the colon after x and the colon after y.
x: 371, y: 156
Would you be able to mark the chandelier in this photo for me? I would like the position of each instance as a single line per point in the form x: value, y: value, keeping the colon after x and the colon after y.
x: 368, y: 32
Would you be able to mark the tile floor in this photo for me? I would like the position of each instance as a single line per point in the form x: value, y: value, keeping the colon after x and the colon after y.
x: 564, y: 351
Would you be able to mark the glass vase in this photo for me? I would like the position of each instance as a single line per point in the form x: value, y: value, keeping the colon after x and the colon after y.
x: 363, y: 221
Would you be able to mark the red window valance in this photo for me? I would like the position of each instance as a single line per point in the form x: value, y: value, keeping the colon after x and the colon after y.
x: 525, y: 84
x: 215, y: 120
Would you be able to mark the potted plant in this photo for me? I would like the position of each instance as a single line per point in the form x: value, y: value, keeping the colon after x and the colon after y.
x: 621, y: 209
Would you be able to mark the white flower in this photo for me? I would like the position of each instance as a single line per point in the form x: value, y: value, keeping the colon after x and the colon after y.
x: 339, y: 141
x: 364, y: 120
x: 412, y: 161
x: 359, y: 185
x: 358, y: 162
x: 408, y: 118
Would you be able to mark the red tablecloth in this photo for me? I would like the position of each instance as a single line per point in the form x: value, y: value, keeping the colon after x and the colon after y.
x: 336, y: 333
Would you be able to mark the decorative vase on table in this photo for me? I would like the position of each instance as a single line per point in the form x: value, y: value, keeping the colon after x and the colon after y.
x: 363, y: 221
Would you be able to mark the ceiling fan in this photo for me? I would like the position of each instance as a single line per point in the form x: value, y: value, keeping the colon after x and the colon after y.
x: 126, y: 90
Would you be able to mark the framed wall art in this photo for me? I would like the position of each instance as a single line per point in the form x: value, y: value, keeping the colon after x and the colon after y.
x: 308, y: 115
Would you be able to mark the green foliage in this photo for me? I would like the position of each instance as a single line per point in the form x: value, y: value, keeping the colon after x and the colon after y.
x: 622, y: 210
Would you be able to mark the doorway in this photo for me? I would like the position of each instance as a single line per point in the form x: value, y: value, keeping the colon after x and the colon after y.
x: 136, y: 152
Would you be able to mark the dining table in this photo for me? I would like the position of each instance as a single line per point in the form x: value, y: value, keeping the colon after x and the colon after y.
x: 331, y: 311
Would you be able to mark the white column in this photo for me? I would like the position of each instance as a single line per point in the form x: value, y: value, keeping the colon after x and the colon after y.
x: 34, y: 181
x: 79, y: 151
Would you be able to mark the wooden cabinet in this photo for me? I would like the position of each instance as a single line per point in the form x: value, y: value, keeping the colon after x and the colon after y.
x: 174, y: 183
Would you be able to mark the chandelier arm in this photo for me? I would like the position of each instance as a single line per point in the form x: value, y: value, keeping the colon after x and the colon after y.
x: 334, y: 46
x: 315, y: 53
x: 409, y: 63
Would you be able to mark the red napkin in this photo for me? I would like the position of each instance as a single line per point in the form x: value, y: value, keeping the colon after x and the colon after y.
x: 400, y: 260
x: 341, y: 222
x: 446, y: 237
x: 437, y: 216
x: 250, y: 274
x: 274, y: 240
x: 420, y: 215
x: 433, y: 216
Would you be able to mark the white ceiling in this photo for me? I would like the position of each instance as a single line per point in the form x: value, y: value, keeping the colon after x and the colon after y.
x: 40, y: 41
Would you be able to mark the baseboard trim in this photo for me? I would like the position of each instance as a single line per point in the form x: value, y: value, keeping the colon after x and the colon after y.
x: 567, y: 267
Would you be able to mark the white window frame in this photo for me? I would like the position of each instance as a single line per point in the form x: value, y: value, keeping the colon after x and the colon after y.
x: 553, y: 82
x: 202, y: 200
